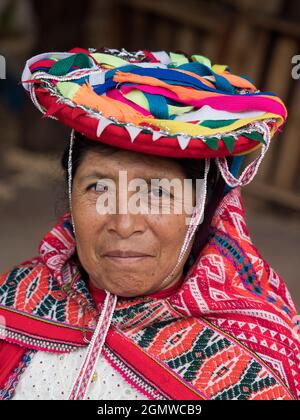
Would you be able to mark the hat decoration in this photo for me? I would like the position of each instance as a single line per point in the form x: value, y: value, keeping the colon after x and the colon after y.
x: 153, y: 102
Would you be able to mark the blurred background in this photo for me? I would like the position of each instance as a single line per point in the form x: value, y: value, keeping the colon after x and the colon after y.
x: 256, y: 38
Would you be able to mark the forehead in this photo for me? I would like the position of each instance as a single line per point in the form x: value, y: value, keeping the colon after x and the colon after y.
x: 136, y: 164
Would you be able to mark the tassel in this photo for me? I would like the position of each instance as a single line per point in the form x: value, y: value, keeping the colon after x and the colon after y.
x: 250, y: 171
x: 255, y: 136
x: 212, y: 143
x: 183, y: 141
x: 229, y: 142
x: 133, y: 132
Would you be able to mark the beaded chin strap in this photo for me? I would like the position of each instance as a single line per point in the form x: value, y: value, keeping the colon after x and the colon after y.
x: 251, y: 170
x: 196, y: 220
x: 83, y: 380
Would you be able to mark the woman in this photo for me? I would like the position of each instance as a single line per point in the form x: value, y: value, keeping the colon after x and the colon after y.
x: 149, y: 287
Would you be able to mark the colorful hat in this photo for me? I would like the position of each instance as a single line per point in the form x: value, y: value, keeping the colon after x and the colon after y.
x: 161, y: 103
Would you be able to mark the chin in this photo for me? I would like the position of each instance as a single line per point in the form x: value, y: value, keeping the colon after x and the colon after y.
x: 129, y: 289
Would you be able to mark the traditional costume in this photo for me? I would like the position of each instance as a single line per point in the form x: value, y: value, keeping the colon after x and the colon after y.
x: 229, y: 328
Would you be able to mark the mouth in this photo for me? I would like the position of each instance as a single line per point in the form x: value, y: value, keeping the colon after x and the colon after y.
x: 124, y: 257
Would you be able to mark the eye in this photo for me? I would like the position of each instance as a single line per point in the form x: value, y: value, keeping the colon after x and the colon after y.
x: 98, y: 187
x: 159, y: 192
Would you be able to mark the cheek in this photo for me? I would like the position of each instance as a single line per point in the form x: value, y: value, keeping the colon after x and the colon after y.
x: 88, y: 226
x: 85, y: 221
x: 84, y: 212
x: 170, y: 231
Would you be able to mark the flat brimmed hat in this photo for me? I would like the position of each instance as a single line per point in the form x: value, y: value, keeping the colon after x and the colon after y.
x: 161, y: 103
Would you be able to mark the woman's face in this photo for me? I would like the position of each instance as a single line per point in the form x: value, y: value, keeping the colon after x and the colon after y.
x: 129, y: 253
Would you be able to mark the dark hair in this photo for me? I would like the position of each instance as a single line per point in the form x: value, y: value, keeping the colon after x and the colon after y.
x: 193, y: 169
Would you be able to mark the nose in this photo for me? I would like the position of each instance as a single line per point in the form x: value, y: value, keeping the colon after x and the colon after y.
x: 126, y: 225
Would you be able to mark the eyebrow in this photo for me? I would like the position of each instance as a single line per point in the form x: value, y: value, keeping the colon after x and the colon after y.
x: 94, y: 174
x: 97, y: 174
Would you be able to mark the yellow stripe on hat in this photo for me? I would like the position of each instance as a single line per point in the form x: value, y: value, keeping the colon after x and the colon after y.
x: 175, y: 127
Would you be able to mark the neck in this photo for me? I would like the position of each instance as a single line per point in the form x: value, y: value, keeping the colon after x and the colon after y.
x: 99, y: 294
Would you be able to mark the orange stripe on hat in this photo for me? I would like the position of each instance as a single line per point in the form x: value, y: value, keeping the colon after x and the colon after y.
x: 109, y: 107
x: 184, y: 93
x: 238, y: 81
x: 234, y: 80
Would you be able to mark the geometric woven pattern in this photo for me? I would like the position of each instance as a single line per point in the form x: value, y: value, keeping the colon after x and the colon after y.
x: 204, y: 358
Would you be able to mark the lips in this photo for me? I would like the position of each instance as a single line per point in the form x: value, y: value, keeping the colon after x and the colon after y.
x: 126, y: 258
x: 126, y: 254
